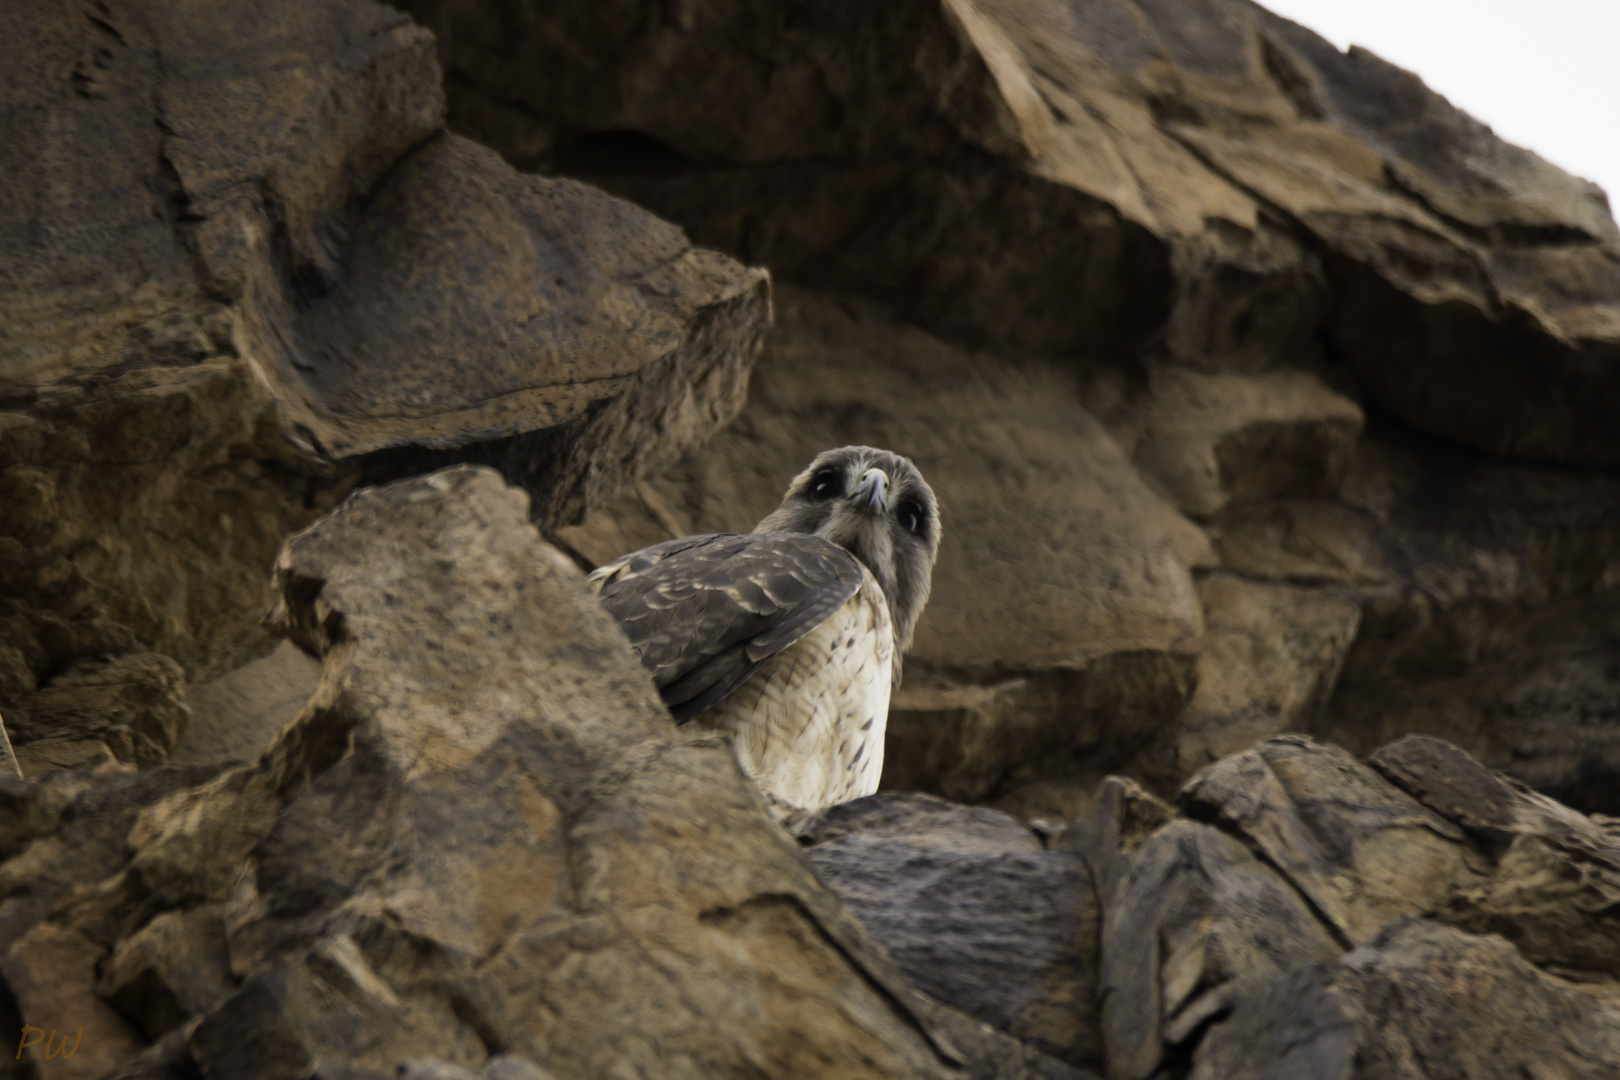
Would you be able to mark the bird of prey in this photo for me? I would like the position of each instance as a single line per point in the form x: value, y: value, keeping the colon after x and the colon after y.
x: 789, y: 638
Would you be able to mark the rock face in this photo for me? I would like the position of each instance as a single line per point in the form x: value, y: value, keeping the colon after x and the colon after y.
x: 1081, y: 177
x: 1029, y: 662
x: 482, y: 833
x: 243, y: 267
x: 482, y: 850
x: 1263, y: 721
x: 1206, y: 248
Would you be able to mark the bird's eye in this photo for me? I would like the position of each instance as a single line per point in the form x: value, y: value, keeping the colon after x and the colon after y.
x: 910, y: 516
x: 826, y: 484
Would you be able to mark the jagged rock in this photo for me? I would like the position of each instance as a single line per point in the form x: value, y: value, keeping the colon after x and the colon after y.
x: 1191, y: 922
x: 63, y: 833
x: 133, y: 706
x: 1555, y: 890
x: 1270, y: 661
x: 1194, y: 924
x: 1419, y: 1000
x: 976, y: 912
x: 1063, y: 623
x: 1232, y: 954
x: 173, y: 969
x: 51, y: 971
x: 1360, y: 849
x: 484, y: 831
x: 1218, y: 183
x: 240, y: 262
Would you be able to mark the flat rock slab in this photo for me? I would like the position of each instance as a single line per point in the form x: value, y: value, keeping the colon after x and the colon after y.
x: 238, y: 716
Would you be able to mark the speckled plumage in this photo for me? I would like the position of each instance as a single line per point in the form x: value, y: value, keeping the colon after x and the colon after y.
x: 809, y: 724
x: 789, y: 638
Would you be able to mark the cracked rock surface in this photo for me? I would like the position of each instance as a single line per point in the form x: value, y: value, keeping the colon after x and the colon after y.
x: 243, y: 267
x: 1263, y: 719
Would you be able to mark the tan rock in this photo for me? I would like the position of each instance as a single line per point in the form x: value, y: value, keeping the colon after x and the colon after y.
x: 52, y: 973
x: 1308, y: 543
x: 1093, y: 177
x: 1364, y: 852
x: 134, y: 705
x: 1495, y: 630
x: 238, y: 715
x: 1192, y: 926
x: 483, y: 829
x: 1271, y: 658
x: 53, y: 755
x: 239, y: 258
x: 174, y: 968
x: 1555, y: 888
x: 1190, y: 922
x: 1063, y: 621
x: 1209, y: 440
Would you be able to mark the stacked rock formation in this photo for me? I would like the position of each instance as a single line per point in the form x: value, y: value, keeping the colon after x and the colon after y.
x: 1265, y: 716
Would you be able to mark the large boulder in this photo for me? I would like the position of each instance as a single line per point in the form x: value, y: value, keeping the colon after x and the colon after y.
x: 1211, y: 181
x: 244, y: 268
x: 483, y: 834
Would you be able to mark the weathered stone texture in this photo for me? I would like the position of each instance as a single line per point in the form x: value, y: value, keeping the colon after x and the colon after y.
x: 1084, y: 177
x: 243, y: 267
x: 976, y: 912
x: 482, y: 831
x: 1063, y: 621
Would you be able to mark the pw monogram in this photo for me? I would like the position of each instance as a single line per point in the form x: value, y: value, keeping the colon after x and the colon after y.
x: 39, y: 1033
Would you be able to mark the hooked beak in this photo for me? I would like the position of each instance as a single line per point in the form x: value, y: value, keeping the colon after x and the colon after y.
x: 872, y: 493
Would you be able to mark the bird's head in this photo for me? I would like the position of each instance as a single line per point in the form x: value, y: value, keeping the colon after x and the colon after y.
x: 877, y: 506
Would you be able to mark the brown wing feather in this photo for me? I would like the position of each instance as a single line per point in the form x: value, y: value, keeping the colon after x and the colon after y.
x: 703, y: 612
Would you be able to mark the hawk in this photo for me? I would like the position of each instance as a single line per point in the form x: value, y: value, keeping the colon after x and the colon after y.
x: 789, y: 638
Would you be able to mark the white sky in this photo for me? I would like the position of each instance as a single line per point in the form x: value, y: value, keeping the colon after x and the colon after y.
x: 1545, y: 74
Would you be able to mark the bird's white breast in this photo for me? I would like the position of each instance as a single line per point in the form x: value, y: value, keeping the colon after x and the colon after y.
x: 808, y: 725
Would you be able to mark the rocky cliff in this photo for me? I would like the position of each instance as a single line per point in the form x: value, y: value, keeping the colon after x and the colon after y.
x: 1266, y: 713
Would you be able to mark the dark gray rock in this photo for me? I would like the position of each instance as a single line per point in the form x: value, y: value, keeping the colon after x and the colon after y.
x: 1417, y: 1002
x: 974, y: 910
x: 1193, y: 927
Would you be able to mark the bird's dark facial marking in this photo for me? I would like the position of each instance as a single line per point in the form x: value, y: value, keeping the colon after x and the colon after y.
x: 911, y: 516
x: 827, y: 483
x: 876, y: 505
